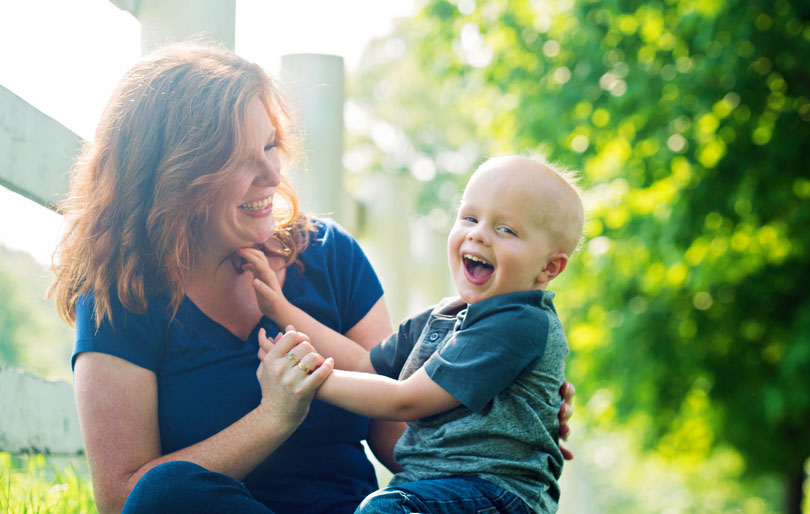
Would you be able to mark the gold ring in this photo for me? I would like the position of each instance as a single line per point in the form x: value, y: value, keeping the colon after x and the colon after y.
x: 304, y: 368
x: 291, y: 356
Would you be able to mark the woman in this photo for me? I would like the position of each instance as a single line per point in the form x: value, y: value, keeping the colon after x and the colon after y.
x: 185, y: 169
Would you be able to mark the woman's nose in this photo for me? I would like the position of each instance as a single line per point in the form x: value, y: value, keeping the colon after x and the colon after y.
x: 270, y: 171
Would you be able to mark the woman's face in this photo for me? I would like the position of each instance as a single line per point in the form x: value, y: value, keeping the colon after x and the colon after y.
x: 243, y: 215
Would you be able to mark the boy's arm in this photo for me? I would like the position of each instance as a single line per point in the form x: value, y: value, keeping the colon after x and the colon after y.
x: 380, y: 397
x: 347, y: 353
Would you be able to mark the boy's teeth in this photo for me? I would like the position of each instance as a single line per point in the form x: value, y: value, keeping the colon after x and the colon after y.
x: 476, y: 259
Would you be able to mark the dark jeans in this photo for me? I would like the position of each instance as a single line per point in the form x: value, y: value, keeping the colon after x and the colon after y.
x: 460, y: 495
x: 180, y: 487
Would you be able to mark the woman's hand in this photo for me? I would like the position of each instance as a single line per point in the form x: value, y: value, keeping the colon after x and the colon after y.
x: 290, y: 373
x: 567, y: 392
x: 265, y: 282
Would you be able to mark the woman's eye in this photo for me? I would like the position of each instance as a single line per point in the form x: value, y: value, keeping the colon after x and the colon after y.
x: 270, y: 147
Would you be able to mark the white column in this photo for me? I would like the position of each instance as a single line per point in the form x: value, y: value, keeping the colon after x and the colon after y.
x: 315, y: 82
x: 168, y: 21
x: 385, y: 237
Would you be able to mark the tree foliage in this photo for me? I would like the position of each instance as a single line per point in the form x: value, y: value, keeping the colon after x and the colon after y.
x: 686, y: 309
x: 32, y: 336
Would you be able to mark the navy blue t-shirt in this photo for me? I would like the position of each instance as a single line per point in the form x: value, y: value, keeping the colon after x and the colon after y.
x: 206, y: 377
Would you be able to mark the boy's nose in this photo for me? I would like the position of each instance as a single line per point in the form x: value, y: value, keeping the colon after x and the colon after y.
x: 478, y: 235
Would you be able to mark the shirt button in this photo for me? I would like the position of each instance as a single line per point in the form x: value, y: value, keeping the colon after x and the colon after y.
x: 432, y: 337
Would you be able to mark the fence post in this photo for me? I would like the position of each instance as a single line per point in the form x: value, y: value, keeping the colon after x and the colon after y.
x: 316, y: 81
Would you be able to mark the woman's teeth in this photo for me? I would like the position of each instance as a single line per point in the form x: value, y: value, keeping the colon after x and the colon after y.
x: 257, y: 205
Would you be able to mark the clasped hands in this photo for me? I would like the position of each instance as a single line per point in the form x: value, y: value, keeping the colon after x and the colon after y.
x: 290, y: 373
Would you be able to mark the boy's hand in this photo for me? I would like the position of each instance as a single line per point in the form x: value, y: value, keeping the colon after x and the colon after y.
x: 265, y: 282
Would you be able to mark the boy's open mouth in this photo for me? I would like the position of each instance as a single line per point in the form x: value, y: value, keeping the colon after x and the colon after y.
x: 478, y: 270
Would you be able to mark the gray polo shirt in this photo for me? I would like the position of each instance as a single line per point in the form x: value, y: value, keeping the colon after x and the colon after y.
x: 503, y: 359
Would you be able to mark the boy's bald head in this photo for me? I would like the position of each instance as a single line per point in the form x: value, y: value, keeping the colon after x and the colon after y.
x: 558, y: 206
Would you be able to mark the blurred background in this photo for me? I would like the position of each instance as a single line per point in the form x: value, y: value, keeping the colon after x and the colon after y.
x: 686, y: 306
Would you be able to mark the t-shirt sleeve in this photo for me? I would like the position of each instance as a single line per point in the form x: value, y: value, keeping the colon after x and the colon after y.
x: 389, y: 356
x: 496, y: 344
x: 355, y: 279
x: 132, y: 337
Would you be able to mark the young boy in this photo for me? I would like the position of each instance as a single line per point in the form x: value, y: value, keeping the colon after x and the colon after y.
x: 477, y: 376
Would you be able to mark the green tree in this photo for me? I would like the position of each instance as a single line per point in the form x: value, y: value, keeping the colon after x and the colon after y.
x: 32, y: 336
x: 12, y: 317
x: 687, y: 306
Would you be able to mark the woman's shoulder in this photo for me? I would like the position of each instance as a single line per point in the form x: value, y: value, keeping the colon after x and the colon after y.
x: 329, y: 235
x: 156, y: 310
x: 328, y: 227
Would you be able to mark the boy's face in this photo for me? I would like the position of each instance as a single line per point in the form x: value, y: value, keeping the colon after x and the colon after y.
x: 498, y: 243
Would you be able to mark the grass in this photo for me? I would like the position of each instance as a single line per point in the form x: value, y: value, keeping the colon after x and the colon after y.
x: 36, y: 484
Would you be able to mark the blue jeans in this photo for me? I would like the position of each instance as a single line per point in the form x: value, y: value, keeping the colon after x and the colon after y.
x: 180, y: 487
x: 460, y: 495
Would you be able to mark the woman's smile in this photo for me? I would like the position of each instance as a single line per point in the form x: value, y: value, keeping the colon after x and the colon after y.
x: 258, y: 208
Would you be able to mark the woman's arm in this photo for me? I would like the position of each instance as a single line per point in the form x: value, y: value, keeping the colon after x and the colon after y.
x: 121, y: 434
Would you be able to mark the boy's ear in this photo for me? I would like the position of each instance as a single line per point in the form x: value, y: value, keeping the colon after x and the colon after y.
x: 555, y: 265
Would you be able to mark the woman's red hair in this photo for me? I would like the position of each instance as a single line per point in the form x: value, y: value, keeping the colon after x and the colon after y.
x: 164, y: 149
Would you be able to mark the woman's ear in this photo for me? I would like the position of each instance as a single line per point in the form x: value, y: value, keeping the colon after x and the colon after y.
x: 555, y: 265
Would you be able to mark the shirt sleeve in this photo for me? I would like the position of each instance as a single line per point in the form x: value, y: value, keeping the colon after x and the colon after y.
x: 355, y: 279
x: 389, y: 356
x: 496, y: 343
x: 132, y: 337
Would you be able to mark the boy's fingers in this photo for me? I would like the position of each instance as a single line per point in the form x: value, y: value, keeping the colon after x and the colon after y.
x: 264, y: 343
x: 261, y: 287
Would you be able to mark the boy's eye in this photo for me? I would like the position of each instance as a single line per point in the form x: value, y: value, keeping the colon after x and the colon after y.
x: 469, y: 219
x: 507, y: 230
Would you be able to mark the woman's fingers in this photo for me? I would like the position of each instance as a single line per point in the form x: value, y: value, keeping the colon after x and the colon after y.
x: 566, y: 411
x: 286, y: 342
x: 568, y: 391
x: 309, y: 362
